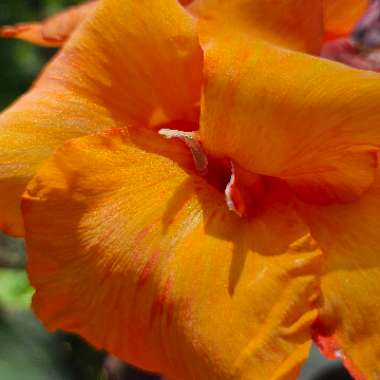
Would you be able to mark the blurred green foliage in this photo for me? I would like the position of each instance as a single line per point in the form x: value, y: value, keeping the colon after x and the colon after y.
x: 20, y: 62
x: 15, y: 291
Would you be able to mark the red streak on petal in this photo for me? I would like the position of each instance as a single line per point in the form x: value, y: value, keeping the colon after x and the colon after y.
x: 11, y: 31
x: 329, y: 346
x: 53, y: 40
x: 148, y: 269
x: 158, y: 305
x: 143, y: 234
x: 139, y: 240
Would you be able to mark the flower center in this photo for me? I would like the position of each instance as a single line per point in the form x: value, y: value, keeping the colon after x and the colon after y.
x: 192, y: 142
x: 244, y: 192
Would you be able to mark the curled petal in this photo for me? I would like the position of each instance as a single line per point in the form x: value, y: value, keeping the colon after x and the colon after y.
x: 130, y: 63
x: 312, y: 122
x: 52, y: 32
x: 350, y: 316
x: 147, y: 262
x: 29, y: 131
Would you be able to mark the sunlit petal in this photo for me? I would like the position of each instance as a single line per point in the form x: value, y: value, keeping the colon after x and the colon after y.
x: 132, y: 62
x: 129, y: 251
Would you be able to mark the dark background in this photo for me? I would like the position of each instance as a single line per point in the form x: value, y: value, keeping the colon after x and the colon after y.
x: 27, y: 351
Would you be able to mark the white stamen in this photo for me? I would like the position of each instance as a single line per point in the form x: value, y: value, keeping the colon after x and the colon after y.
x: 190, y: 139
x: 228, y: 192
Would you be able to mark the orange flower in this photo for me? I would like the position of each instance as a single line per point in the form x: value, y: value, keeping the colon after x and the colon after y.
x: 202, y: 248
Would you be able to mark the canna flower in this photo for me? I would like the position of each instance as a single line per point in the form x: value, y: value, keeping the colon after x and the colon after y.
x: 222, y: 210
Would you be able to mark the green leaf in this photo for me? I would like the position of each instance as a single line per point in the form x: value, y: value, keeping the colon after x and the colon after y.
x: 15, y: 291
x: 27, y: 351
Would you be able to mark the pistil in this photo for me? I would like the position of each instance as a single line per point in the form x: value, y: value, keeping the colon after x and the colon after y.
x: 192, y: 142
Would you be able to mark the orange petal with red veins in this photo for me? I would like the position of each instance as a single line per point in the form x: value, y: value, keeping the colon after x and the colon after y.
x: 340, y: 16
x: 137, y: 256
x: 350, y: 314
x: 293, y: 24
x: 52, y: 32
x: 276, y: 112
x: 131, y: 63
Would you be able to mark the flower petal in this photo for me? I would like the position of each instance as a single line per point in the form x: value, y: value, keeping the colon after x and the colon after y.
x: 350, y: 317
x: 30, y: 130
x: 309, y: 121
x: 147, y: 65
x: 295, y: 24
x: 52, y: 32
x: 129, y: 251
x: 340, y: 16
x: 132, y: 62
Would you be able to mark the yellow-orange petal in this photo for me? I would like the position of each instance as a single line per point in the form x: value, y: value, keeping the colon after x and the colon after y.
x: 293, y: 24
x: 129, y: 251
x: 29, y: 132
x: 309, y: 121
x: 148, y: 62
x: 340, y: 16
x: 130, y: 63
x: 350, y: 315
x: 51, y: 32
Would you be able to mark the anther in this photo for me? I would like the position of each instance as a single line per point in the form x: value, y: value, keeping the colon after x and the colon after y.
x: 192, y: 142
